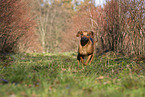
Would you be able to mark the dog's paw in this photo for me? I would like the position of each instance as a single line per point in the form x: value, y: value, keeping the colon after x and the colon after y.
x: 85, y: 64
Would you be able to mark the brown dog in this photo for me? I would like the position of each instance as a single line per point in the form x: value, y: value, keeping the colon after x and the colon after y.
x: 86, y: 46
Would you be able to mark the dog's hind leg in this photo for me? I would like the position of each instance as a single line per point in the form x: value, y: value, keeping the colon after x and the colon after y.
x: 82, y: 59
x: 78, y: 59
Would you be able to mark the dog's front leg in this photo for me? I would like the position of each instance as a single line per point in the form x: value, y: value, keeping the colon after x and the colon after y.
x: 88, y: 59
x: 91, y: 58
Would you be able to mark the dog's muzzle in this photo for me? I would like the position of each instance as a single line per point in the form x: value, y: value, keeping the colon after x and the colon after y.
x: 84, y: 41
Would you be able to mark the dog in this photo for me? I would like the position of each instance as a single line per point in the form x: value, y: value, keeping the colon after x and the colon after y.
x: 86, y: 46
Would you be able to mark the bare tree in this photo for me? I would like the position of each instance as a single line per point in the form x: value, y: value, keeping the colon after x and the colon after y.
x: 52, y: 20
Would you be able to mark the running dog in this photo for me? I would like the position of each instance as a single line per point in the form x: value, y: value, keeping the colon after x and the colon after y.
x: 86, y: 46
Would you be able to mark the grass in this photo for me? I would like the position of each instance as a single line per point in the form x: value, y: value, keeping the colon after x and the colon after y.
x: 58, y: 75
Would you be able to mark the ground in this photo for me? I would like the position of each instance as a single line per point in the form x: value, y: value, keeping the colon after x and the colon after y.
x: 59, y: 75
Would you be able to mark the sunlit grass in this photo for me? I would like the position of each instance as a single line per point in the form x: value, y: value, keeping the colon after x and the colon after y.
x: 58, y: 75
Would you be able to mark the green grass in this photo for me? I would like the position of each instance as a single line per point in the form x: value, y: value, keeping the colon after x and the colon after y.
x: 59, y: 75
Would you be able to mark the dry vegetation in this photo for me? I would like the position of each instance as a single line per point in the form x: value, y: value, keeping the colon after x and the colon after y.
x: 17, y: 27
x: 37, y: 26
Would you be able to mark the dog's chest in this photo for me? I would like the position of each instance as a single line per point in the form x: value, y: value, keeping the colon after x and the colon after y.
x: 85, y: 50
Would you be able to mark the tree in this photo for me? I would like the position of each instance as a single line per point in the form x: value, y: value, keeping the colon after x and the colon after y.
x: 52, y: 20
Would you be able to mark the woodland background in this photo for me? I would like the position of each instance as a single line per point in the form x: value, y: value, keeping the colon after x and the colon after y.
x: 37, y: 26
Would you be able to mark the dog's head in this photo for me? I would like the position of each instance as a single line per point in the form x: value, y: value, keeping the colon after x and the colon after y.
x: 85, y: 36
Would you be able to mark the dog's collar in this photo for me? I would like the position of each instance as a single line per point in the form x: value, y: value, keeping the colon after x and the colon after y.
x: 92, y: 40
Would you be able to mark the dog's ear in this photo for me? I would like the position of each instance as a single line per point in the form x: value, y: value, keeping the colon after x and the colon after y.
x: 78, y: 34
x: 92, y: 34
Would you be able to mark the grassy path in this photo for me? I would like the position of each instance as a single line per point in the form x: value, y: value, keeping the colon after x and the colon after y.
x: 58, y: 75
